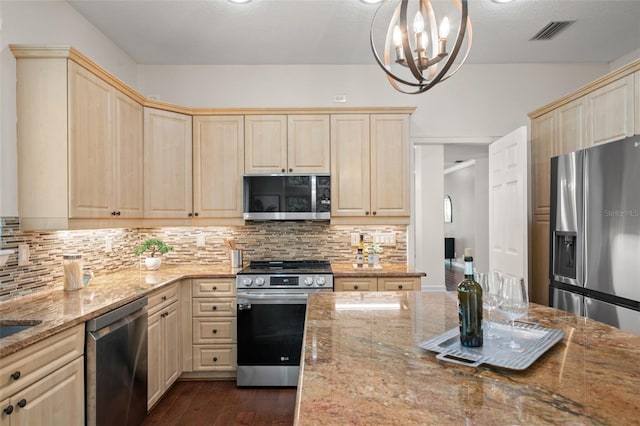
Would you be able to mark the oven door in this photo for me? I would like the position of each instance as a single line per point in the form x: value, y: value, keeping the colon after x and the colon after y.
x: 270, y: 331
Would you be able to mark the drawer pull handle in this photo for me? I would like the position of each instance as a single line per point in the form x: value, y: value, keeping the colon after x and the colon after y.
x: 355, y: 287
x: 215, y: 308
x: 8, y: 410
x: 22, y: 403
x: 400, y: 286
x: 215, y: 331
x: 215, y: 359
x: 16, y: 375
x: 164, y: 297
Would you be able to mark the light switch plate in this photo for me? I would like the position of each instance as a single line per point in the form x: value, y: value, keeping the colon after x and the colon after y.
x: 23, y: 254
x: 200, y: 240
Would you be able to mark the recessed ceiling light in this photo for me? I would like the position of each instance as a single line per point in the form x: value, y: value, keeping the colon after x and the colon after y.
x: 239, y: 1
x: 502, y: 1
x: 370, y: 1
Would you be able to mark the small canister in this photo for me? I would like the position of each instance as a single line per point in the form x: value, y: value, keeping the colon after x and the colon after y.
x: 236, y: 258
x: 72, y: 266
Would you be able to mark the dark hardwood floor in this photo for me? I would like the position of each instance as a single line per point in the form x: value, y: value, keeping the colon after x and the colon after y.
x: 222, y: 403
x: 452, y: 276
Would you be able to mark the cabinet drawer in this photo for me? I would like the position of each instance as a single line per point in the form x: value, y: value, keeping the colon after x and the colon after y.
x: 161, y: 298
x: 398, y: 284
x: 213, y: 330
x: 215, y: 358
x: 214, y: 307
x: 40, y: 359
x: 355, y: 284
x: 213, y: 287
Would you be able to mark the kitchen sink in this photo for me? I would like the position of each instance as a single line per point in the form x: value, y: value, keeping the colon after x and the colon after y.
x: 9, y: 327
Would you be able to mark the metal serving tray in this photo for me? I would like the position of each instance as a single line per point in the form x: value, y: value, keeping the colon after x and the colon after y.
x: 534, y: 339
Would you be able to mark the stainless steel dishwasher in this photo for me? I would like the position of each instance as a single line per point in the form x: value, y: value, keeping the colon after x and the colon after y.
x: 116, y: 366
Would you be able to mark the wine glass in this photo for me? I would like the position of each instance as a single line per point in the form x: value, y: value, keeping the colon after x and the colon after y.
x: 490, y: 288
x: 513, y: 303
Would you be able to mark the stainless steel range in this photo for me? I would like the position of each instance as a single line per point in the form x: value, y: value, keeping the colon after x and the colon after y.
x: 272, y: 303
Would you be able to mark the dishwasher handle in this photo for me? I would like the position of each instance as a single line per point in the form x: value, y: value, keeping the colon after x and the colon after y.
x: 116, y: 314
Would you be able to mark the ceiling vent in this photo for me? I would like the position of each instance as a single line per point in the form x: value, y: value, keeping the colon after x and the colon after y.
x: 551, y: 30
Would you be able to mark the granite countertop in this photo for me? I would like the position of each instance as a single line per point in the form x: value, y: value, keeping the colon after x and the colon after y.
x: 60, y: 310
x: 347, y: 270
x: 362, y: 365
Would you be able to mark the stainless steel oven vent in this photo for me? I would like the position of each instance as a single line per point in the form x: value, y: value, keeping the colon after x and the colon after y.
x: 551, y: 30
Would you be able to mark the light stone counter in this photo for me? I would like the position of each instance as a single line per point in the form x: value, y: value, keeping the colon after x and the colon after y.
x: 60, y: 309
x: 362, y: 366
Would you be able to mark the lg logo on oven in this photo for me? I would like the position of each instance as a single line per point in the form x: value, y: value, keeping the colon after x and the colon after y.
x: 284, y: 358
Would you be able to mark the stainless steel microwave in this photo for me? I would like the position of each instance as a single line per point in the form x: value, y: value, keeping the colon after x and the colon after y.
x: 287, y: 197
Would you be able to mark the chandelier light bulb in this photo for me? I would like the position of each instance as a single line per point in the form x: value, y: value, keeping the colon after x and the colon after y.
x: 418, y: 23
x: 444, y: 28
x: 397, y: 36
x: 424, y: 40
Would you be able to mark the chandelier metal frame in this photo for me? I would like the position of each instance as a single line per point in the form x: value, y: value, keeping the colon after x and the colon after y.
x: 421, y: 64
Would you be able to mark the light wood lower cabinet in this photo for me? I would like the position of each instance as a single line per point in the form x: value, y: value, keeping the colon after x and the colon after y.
x: 214, y: 326
x: 164, y: 363
x: 44, y: 383
x: 377, y: 284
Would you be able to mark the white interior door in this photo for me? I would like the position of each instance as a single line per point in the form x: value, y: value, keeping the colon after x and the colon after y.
x: 508, y: 204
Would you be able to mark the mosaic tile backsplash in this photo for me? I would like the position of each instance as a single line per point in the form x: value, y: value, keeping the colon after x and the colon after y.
x: 258, y: 240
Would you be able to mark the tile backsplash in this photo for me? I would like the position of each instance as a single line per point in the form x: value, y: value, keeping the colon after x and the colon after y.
x: 258, y: 240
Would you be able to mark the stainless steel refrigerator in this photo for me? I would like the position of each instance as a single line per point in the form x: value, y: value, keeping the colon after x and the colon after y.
x: 595, y: 233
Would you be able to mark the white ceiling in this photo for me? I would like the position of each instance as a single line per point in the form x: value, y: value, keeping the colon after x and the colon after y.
x: 175, y: 32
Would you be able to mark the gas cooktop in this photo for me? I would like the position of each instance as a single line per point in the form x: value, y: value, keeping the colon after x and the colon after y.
x: 296, y: 267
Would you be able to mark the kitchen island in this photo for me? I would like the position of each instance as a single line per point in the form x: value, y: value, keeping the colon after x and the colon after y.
x: 362, y: 365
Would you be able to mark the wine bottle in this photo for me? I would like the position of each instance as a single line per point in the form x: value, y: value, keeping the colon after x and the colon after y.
x: 361, y: 242
x: 470, y: 305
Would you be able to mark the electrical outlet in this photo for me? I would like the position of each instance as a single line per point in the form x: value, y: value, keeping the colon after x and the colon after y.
x: 385, y: 238
x: 108, y: 244
x: 23, y: 254
x: 355, y: 239
x: 200, y: 240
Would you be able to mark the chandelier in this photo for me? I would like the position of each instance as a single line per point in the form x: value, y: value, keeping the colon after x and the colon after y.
x: 420, y: 57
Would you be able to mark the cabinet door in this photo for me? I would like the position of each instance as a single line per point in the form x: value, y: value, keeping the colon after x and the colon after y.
x: 610, y: 112
x: 90, y: 136
x: 128, y: 156
x: 540, y: 260
x: 350, y: 165
x: 356, y: 284
x: 57, y: 399
x: 399, y: 284
x: 265, y: 149
x: 543, y: 142
x: 155, y: 359
x: 308, y: 144
x: 571, y: 127
x: 218, y: 166
x: 167, y: 164
x: 390, y: 165
x: 172, y: 347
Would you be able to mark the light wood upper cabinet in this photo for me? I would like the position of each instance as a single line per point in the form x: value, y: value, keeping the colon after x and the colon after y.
x: 167, y: 164
x: 218, y: 166
x: 543, y: 147
x: 350, y: 165
x: 105, y: 149
x: 265, y: 144
x: 308, y: 144
x: 610, y: 112
x: 390, y: 165
x: 570, y: 127
x: 370, y: 167
x: 287, y: 144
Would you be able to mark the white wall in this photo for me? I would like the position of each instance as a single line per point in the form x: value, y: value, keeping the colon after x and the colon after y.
x: 44, y: 22
x: 428, y: 218
x: 628, y: 58
x: 481, y: 187
x: 460, y: 186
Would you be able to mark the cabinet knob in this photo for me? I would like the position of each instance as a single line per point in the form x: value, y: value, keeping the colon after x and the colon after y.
x: 196, y: 214
x: 355, y: 287
x: 164, y: 297
x: 400, y: 286
x: 214, y: 288
x: 8, y: 410
x: 190, y: 214
x: 290, y: 170
x: 113, y: 213
x: 215, y: 359
x: 16, y: 375
x: 22, y: 403
x: 282, y: 170
x: 367, y: 213
x: 215, y: 331
x: 374, y: 213
x: 215, y: 308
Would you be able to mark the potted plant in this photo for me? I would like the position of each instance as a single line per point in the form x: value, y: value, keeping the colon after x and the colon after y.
x: 155, y: 246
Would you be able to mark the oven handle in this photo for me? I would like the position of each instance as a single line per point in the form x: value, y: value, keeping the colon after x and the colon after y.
x: 246, y: 299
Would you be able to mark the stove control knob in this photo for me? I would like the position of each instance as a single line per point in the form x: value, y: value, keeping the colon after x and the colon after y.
x: 321, y: 281
x: 246, y: 282
x: 308, y: 281
x: 260, y: 281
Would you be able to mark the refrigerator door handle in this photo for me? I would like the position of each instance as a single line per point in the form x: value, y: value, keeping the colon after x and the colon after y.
x: 582, y: 273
